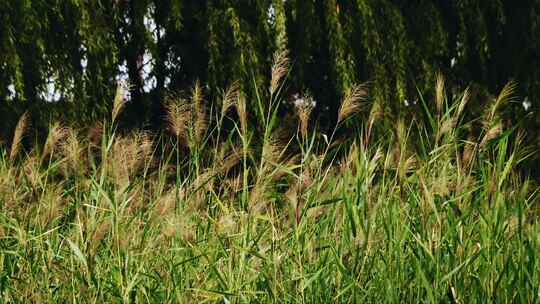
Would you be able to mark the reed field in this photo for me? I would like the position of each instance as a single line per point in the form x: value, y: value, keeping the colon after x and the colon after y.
x: 238, y: 203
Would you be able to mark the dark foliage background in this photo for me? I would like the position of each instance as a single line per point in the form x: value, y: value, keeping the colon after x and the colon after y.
x: 61, y: 58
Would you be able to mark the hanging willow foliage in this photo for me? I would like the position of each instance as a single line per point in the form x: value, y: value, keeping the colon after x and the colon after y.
x: 64, y: 57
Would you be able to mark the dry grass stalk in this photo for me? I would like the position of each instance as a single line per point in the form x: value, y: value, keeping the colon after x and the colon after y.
x: 284, y: 169
x: 201, y: 122
x: 94, y: 134
x: 99, y: 233
x: 469, y: 152
x: 352, y: 101
x: 447, y: 125
x: 492, y: 125
x: 439, y: 93
x: 258, y: 197
x: 229, y: 161
x: 280, y: 68
x: 463, y: 102
x: 18, y: 135
x: 304, y: 106
x: 178, y: 116
x: 375, y: 114
x: 32, y: 173
x: 167, y: 202
x: 273, y: 149
x: 119, y: 100
x: 492, y: 133
x: 230, y: 97
x: 348, y: 164
x: 234, y: 185
x: 449, y: 122
x: 129, y: 155
x: 405, y: 167
x: 506, y: 95
x: 203, y: 182
x: 72, y: 151
x: 51, y: 206
x: 56, y: 134
x: 242, y: 112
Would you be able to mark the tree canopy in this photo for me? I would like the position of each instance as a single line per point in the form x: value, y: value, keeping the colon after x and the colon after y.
x: 63, y: 58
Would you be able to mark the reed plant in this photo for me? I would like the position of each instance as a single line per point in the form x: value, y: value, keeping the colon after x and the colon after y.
x: 259, y: 213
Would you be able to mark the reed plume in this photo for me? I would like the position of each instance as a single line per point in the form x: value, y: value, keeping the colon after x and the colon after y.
x: 280, y: 68
x: 56, y: 134
x: 304, y: 106
x: 352, y: 101
x: 199, y: 111
x: 178, y: 116
x: 375, y: 114
x: 463, y: 102
x: 492, y: 124
x: 242, y: 112
x: 491, y: 133
x: 439, y: 93
x: 129, y: 155
x: 18, y: 135
x: 119, y: 100
x: 230, y: 97
x: 506, y: 95
x: 71, y: 149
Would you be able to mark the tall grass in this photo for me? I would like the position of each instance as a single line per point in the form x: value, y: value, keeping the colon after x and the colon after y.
x: 264, y: 213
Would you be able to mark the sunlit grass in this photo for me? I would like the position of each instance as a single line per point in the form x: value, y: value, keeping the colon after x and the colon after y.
x: 263, y: 213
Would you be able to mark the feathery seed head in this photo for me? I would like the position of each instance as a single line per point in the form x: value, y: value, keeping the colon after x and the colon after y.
x: 72, y: 150
x: 56, y: 134
x: 304, y: 106
x: 352, y: 101
x: 201, y: 122
x: 439, y: 93
x: 119, y: 99
x: 280, y: 67
x: 242, y: 112
x: 230, y: 97
x: 492, y: 133
x: 464, y: 100
x: 178, y: 116
x: 506, y: 95
x: 18, y: 135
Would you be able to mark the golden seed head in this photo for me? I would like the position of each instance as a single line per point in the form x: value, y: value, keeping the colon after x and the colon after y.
x: 352, y: 101
x: 280, y: 68
x: 18, y: 135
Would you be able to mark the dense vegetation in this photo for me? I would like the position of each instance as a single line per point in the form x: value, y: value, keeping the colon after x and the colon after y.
x: 269, y: 151
x: 73, y: 52
x: 267, y: 212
